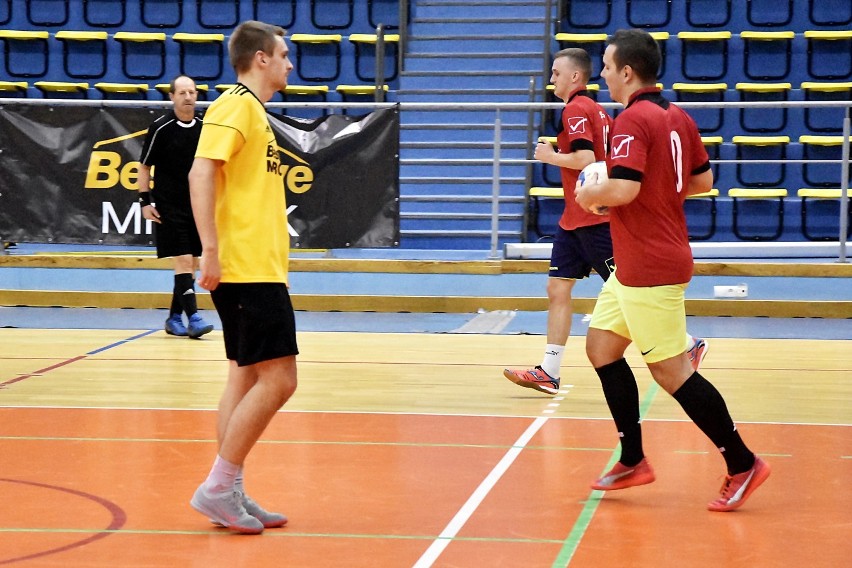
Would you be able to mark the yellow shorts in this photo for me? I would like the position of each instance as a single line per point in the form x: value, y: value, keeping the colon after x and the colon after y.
x: 654, y: 318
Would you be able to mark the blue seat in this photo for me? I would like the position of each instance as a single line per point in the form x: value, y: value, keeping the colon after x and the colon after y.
x: 143, y: 55
x: 218, y: 14
x: 708, y: 13
x: 763, y: 209
x: 769, y: 13
x: 317, y: 56
x: 25, y: 52
x: 593, y: 43
x: 830, y: 12
x: 758, y: 151
x: 649, y: 13
x: 829, y: 54
x: 105, y: 13
x: 825, y: 207
x: 767, y: 55
x: 708, y: 119
x: 161, y: 13
x: 385, y: 12
x: 763, y: 119
x: 84, y: 54
x: 332, y: 14
x: 586, y: 15
x: 821, y: 148
x: 697, y: 206
x: 365, y: 55
x: 828, y: 120
x: 704, y: 55
x: 278, y: 12
x: 46, y: 13
x: 201, y: 55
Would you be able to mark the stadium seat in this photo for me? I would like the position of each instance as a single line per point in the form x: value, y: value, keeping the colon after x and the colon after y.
x: 649, y: 13
x: 218, y: 14
x: 708, y: 119
x: 758, y: 203
x: 105, y: 13
x: 708, y: 13
x: 123, y: 90
x: 84, y: 54
x: 763, y: 119
x: 695, y: 206
x: 767, y: 55
x: 594, y: 44
x: 549, y: 173
x: 25, y: 52
x: 161, y: 13
x: 384, y: 12
x: 13, y: 89
x: 759, y: 151
x: 827, y: 201
x: 713, y: 144
x: 46, y: 13
x: 769, y: 13
x: 360, y: 93
x: 330, y: 15
x: 821, y: 148
x: 143, y: 55
x: 317, y: 56
x: 535, y: 194
x: 164, y: 88
x: 662, y: 38
x: 830, y: 12
x: 5, y: 12
x: 305, y: 93
x: 587, y: 14
x: 828, y: 120
x: 58, y: 89
x: 278, y: 12
x: 704, y: 55
x: 829, y: 54
x: 365, y: 61
x: 201, y: 55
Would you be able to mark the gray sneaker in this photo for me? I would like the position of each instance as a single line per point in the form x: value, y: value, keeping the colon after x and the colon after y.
x: 269, y: 520
x: 226, y: 509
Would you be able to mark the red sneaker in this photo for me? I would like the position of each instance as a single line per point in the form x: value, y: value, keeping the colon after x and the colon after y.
x: 536, y: 379
x: 622, y: 477
x: 737, y: 488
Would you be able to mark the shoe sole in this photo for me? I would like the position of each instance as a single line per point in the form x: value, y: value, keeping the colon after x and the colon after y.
x: 209, y: 514
x: 274, y: 525
x: 170, y: 332
x: 758, y: 479
x: 528, y: 384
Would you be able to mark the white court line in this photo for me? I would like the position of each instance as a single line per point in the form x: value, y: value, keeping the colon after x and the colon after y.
x: 452, y: 529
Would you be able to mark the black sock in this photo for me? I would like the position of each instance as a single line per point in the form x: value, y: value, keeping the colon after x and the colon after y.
x: 185, y: 294
x: 706, y: 407
x: 622, y: 397
x: 177, y: 307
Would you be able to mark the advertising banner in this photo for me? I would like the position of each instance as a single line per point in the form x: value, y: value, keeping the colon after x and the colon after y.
x: 69, y: 174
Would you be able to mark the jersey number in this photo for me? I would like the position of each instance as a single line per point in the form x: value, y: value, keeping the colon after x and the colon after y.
x: 677, y: 158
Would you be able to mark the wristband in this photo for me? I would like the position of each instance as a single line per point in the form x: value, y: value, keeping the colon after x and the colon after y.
x: 145, y: 198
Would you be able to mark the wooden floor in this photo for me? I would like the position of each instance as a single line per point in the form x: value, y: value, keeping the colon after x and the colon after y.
x: 403, y: 450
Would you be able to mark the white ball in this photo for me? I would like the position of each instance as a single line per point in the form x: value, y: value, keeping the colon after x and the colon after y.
x: 593, y: 173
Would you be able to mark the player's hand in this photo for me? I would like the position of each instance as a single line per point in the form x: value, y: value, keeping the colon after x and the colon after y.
x: 587, y: 201
x: 150, y: 212
x: 544, y: 151
x: 211, y: 271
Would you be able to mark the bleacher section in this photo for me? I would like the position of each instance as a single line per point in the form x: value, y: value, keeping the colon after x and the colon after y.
x: 490, y: 51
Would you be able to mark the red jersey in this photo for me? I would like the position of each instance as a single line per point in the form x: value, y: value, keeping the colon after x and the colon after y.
x: 658, y: 144
x: 585, y: 126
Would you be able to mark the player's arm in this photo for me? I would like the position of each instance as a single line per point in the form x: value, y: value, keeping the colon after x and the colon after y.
x: 615, y: 191
x: 701, y: 182
x: 578, y: 159
x: 144, y: 184
x: 202, y: 192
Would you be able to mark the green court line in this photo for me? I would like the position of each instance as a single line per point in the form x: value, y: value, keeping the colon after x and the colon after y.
x: 570, y: 545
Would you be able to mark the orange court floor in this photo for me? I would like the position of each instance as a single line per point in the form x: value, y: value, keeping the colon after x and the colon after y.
x: 412, y: 450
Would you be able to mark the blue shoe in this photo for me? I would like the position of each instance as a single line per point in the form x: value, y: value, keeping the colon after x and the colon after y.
x: 197, y: 326
x: 174, y: 326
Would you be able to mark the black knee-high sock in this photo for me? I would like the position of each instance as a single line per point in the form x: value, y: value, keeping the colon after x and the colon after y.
x: 706, y: 407
x: 622, y: 397
x: 184, y: 294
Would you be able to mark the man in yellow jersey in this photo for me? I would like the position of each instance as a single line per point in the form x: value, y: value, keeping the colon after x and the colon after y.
x: 239, y: 207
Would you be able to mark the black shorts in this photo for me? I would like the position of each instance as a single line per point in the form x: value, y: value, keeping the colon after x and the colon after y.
x: 176, y: 235
x: 576, y: 252
x: 257, y: 320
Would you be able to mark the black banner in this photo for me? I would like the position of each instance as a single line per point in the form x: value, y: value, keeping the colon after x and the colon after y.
x: 68, y: 174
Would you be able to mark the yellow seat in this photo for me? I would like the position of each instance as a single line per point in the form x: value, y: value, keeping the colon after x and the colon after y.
x: 25, y: 40
x: 708, y: 44
x: 60, y: 87
x: 362, y: 41
x: 772, y: 54
x: 308, y: 45
x: 537, y: 193
x: 758, y: 150
x: 832, y: 49
x: 821, y: 194
x: 122, y: 90
x: 763, y: 119
x: 815, y: 147
x: 14, y: 87
x: 825, y: 120
x: 85, y: 38
x: 709, y: 196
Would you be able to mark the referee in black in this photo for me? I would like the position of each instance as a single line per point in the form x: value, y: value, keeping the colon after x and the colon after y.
x: 167, y: 156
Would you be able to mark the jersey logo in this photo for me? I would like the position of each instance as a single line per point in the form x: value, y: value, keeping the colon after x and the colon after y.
x: 577, y: 124
x: 621, y: 145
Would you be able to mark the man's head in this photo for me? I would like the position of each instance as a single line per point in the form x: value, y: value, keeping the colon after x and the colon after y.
x: 259, y: 47
x: 572, y: 68
x: 631, y: 62
x: 184, y: 96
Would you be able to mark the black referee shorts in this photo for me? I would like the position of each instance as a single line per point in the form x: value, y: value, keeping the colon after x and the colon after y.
x: 257, y: 320
x: 176, y: 235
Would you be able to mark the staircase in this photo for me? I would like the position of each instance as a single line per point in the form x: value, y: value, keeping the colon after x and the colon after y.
x: 484, y: 51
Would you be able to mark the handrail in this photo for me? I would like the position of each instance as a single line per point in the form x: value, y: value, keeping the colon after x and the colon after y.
x: 403, y: 35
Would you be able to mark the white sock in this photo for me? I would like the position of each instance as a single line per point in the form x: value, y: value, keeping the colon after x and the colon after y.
x: 690, y: 341
x: 222, y: 476
x: 238, y: 481
x: 552, y: 359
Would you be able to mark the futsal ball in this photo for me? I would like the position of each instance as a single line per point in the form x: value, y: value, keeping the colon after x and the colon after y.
x: 593, y: 173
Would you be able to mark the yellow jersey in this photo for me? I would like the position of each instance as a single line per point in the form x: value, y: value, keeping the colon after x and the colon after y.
x: 251, y: 208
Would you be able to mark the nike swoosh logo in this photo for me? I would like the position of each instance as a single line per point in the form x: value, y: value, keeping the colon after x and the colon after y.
x: 649, y: 350
x: 739, y: 494
x: 610, y: 479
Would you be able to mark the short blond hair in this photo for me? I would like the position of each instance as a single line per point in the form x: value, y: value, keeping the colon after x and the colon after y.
x: 250, y: 37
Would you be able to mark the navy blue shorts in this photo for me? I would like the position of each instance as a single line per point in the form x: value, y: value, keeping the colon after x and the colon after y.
x: 575, y: 253
x: 257, y: 320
